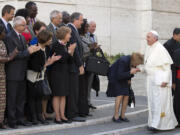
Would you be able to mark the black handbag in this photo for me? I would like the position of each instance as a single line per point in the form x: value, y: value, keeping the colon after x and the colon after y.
x: 131, y: 97
x: 42, y: 88
x: 98, y: 65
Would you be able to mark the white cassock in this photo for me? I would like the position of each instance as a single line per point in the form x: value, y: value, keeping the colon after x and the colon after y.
x: 160, y: 101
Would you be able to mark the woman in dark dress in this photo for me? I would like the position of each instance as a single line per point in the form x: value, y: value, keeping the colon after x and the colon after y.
x: 119, y: 76
x: 60, y: 73
x: 37, y: 64
x: 86, y: 80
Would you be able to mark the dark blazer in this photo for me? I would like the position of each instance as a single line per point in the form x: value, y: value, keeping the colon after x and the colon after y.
x: 172, y: 45
x: 16, y: 69
x: 118, y: 76
x: 51, y: 28
x: 62, y: 64
x: 78, y: 53
x: 37, y: 61
x: 1, y: 22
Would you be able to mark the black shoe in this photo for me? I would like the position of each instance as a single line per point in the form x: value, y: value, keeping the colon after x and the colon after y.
x: 92, y: 107
x: 3, y: 126
x: 78, y: 119
x: 44, y: 122
x: 154, y: 130
x: 89, y: 115
x: 23, y: 123
x: 34, y: 122
x: 14, y: 126
x: 58, y: 122
x: 123, y: 119
x: 66, y: 121
x: 116, y: 120
x: 83, y: 115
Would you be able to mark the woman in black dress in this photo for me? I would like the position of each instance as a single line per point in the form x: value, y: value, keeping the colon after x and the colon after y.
x: 60, y: 73
x: 37, y: 64
x: 119, y: 77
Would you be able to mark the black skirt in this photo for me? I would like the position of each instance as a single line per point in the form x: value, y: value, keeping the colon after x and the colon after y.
x: 60, y: 83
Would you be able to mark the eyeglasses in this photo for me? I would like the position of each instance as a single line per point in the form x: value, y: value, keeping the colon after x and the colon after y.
x: 24, y: 25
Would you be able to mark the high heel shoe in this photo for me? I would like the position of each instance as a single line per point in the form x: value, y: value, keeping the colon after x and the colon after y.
x: 116, y: 120
x: 124, y: 119
x: 66, y: 121
x: 3, y: 126
x: 58, y: 121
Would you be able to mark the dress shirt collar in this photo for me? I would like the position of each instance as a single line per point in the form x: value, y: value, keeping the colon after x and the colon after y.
x: 55, y: 28
x: 61, y: 42
x: 5, y: 22
x: 73, y: 26
x: 18, y: 34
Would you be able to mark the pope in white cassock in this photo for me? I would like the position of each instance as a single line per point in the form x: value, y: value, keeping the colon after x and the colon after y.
x: 157, y: 65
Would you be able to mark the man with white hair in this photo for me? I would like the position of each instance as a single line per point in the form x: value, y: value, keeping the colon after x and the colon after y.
x: 92, y: 29
x: 56, y: 20
x: 16, y: 73
x: 159, y: 80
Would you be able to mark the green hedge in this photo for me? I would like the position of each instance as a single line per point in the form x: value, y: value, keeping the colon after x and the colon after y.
x: 113, y: 58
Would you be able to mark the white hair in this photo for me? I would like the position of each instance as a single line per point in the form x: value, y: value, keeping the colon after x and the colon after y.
x: 155, y: 34
x: 18, y: 20
x: 54, y: 14
x: 91, y: 22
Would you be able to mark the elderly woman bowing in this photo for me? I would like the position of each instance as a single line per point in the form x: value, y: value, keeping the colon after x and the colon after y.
x: 119, y: 76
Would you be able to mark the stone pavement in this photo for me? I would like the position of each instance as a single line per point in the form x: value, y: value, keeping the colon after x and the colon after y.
x: 101, y: 121
x: 101, y: 118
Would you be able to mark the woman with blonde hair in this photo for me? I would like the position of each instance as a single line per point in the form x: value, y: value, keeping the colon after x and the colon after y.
x: 60, y: 73
x: 119, y: 76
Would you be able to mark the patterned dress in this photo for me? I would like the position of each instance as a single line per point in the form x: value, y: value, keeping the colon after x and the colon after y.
x: 3, y: 53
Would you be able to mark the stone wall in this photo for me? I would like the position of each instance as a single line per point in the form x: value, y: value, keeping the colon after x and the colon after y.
x: 121, y: 24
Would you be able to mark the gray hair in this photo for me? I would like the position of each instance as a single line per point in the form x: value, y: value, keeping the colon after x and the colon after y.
x: 54, y: 14
x: 155, y: 34
x: 18, y: 20
x: 75, y: 16
x: 91, y: 22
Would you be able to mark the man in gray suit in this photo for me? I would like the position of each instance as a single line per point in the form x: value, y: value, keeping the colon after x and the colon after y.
x: 56, y: 20
x: 16, y: 73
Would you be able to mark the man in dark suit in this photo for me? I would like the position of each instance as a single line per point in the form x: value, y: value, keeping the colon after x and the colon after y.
x: 173, y: 45
x: 56, y: 20
x: 16, y: 73
x: 65, y: 18
x: 76, y: 68
x: 7, y: 16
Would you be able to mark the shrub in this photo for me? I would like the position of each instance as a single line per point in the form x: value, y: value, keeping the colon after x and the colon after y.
x: 113, y: 58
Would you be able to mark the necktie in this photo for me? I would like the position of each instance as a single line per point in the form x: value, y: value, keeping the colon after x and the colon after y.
x: 9, y: 27
x: 21, y: 41
x: 92, y: 35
